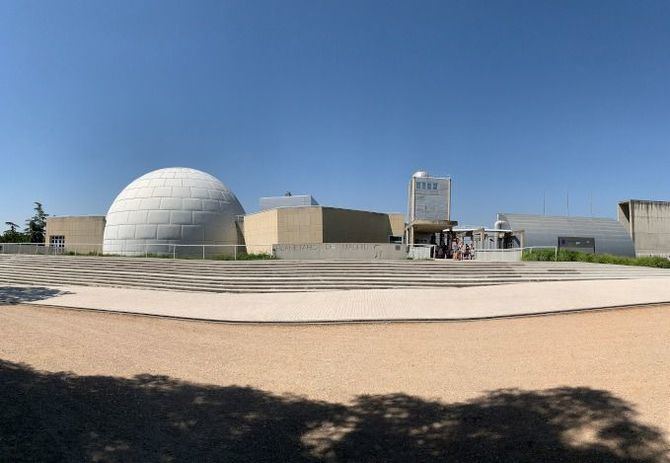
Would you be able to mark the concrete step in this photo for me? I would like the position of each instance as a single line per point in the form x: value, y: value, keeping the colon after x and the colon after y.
x: 242, y: 269
x: 282, y: 276
x: 272, y: 278
x: 223, y: 287
x: 288, y: 284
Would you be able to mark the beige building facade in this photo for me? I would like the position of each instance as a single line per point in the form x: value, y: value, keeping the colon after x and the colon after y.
x: 318, y: 224
x: 81, y: 234
x: 262, y: 230
x: 648, y: 224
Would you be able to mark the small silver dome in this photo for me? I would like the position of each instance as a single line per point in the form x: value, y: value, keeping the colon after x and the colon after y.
x: 501, y: 225
x: 420, y: 174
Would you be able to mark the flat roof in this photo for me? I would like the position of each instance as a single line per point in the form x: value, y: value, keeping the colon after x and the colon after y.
x: 559, y: 217
x: 648, y: 201
x: 308, y: 206
x: 287, y: 196
x: 431, y: 226
x: 487, y: 230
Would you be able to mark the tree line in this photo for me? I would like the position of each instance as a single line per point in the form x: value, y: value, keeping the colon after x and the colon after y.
x: 34, y: 231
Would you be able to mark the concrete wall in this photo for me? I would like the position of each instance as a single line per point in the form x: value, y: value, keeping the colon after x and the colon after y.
x: 648, y: 223
x: 292, y: 225
x: 260, y: 231
x: 397, y: 224
x: 362, y: 251
x: 317, y: 224
x: 82, y: 233
x: 350, y: 226
x: 297, y: 225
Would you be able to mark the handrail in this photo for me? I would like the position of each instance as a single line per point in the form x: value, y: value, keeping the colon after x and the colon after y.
x: 555, y: 248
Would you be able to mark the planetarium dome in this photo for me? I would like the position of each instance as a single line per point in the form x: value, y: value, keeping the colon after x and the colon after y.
x: 171, y: 206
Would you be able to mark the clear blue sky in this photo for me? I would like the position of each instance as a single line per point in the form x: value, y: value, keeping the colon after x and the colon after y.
x: 340, y: 99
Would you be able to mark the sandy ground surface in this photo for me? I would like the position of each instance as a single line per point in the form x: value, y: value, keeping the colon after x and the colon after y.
x: 579, y: 387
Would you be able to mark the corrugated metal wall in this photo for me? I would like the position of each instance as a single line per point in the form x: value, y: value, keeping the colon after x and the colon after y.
x: 610, y: 236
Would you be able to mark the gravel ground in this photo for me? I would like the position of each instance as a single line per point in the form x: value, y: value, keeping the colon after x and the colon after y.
x: 574, y: 387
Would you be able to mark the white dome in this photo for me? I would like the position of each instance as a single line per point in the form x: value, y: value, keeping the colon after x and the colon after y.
x: 501, y: 225
x: 420, y: 174
x: 171, y: 206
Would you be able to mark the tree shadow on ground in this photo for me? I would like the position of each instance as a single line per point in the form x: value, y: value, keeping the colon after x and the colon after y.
x: 21, y: 294
x: 64, y: 417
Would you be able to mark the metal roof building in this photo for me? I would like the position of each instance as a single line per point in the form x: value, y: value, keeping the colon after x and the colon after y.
x: 609, y: 235
x: 288, y: 200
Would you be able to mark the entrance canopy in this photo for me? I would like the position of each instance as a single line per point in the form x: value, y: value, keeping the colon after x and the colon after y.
x: 432, y: 226
x: 427, y: 227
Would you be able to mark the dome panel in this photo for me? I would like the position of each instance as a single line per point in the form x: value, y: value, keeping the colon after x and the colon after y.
x: 169, y: 232
x: 171, y: 203
x: 138, y: 216
x: 181, y: 192
x: 199, y: 193
x: 126, y: 232
x: 162, y: 191
x: 158, y: 217
x: 181, y: 217
x: 145, y: 231
x: 173, y: 182
x: 157, y: 182
x: 148, y: 204
x: 193, y: 204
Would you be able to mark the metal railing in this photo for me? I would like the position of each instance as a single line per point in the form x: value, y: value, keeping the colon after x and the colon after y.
x: 232, y: 251
x: 177, y: 251
x: 509, y: 254
x: 533, y: 248
x: 421, y: 251
x: 497, y: 255
x: 161, y: 250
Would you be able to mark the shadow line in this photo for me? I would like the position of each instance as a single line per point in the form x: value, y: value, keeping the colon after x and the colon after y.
x: 22, y: 294
x: 55, y: 417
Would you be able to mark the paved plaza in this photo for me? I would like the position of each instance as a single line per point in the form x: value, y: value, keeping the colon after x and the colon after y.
x: 355, y: 305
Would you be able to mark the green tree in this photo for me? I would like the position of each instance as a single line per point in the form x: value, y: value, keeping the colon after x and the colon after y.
x: 36, y: 225
x: 13, y: 235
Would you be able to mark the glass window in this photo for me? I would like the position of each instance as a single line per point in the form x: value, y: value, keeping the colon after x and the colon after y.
x: 434, y: 186
x: 57, y: 241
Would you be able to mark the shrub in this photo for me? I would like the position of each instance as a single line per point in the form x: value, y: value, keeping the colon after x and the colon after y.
x: 563, y: 255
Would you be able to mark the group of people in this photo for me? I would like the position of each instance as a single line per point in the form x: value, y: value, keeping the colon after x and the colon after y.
x: 461, y: 251
x: 457, y: 249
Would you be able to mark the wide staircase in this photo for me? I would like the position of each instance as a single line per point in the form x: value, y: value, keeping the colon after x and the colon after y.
x: 286, y: 275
